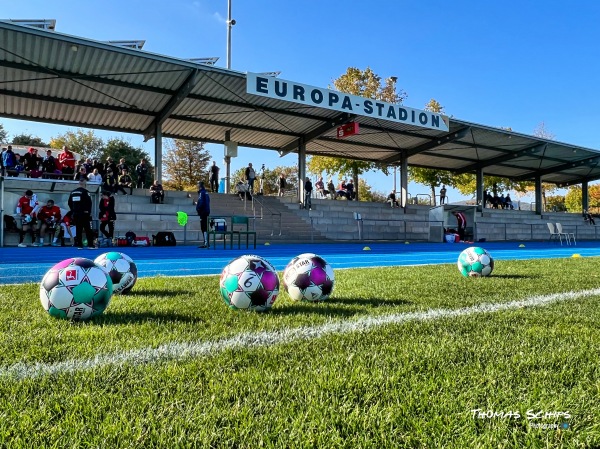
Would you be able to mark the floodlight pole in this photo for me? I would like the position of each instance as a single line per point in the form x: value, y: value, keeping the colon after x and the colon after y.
x: 229, y: 25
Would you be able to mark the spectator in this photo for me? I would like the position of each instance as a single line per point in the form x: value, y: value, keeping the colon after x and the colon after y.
x: 242, y: 191
x: 66, y: 159
x: 282, y: 185
x: 262, y: 179
x: 350, y: 194
x: 49, y: 165
x: 80, y: 204
x: 107, y: 214
x: 89, y: 165
x: 2, y: 161
x: 94, y: 176
x: 331, y: 188
x: 203, y: 210
x: 19, y: 167
x: 27, y: 208
x: 341, y: 190
x: 308, y: 187
x: 122, y: 166
x: 110, y: 183
x: 214, y: 178
x: 250, y: 177
x: 443, y: 194
x: 9, y: 161
x: 157, y: 193
x: 461, y: 220
x: 96, y: 164
x: 81, y: 173
x: 391, y: 198
x: 141, y: 170
x: 49, y: 218
x: 110, y: 165
x: 31, y: 160
x: 502, y: 201
x: 508, y: 202
x: 320, y: 186
x: 125, y: 181
x: 588, y: 217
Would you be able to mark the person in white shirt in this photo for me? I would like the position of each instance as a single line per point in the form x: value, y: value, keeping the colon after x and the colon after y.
x: 94, y: 176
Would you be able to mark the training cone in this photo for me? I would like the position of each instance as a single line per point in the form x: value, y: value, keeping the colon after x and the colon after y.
x: 366, y: 248
x: 576, y: 255
x: 407, y: 243
x: 267, y: 244
x: 521, y: 246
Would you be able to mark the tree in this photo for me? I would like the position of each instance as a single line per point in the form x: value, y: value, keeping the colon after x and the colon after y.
x: 431, y: 177
x: 573, y: 199
x: 185, y: 164
x: 365, y: 84
x: 86, y: 143
x: 271, y: 182
x: 3, y: 133
x: 368, y: 194
x: 28, y: 140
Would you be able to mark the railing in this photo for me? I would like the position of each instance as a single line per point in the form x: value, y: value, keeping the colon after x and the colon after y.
x: 402, y: 233
x: 273, y: 213
x: 530, y: 231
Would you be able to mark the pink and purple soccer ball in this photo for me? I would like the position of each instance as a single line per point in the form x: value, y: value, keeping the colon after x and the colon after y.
x: 249, y: 283
x: 76, y: 289
x: 308, y: 277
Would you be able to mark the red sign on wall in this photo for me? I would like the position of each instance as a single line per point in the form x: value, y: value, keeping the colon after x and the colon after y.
x: 349, y: 129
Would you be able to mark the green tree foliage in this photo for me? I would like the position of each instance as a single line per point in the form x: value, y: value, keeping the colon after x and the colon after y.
x: 3, y: 133
x: 573, y: 199
x: 364, y: 84
x: 185, y: 164
x: 368, y: 194
x: 28, y: 140
x: 84, y: 142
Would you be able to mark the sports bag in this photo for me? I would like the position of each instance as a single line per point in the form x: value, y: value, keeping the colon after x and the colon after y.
x: 164, y: 238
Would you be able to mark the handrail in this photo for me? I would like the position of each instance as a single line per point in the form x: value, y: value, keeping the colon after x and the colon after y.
x: 399, y: 220
x: 273, y: 213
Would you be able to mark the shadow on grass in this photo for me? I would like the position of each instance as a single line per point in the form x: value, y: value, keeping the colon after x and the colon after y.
x: 513, y: 276
x: 160, y: 293
x: 342, y: 307
x: 119, y: 318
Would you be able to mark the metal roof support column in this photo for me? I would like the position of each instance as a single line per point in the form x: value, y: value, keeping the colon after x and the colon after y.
x: 404, y: 181
x: 538, y: 195
x: 585, y: 196
x: 301, y: 170
x: 480, y: 200
x: 158, y: 153
x: 227, y: 162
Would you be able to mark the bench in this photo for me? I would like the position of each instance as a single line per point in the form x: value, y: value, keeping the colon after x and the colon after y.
x: 240, y: 221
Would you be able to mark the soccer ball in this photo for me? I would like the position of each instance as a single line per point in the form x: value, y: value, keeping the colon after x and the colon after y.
x: 121, y: 269
x: 250, y: 283
x: 475, y: 261
x: 76, y: 289
x: 308, y: 277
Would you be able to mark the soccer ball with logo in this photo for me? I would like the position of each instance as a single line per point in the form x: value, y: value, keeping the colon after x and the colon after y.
x: 76, y: 289
x: 475, y: 261
x: 308, y: 277
x: 249, y: 283
x: 121, y: 269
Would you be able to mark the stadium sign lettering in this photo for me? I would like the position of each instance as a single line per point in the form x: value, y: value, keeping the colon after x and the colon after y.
x: 268, y: 86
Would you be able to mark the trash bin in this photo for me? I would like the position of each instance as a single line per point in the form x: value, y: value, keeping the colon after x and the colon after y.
x: 222, y: 185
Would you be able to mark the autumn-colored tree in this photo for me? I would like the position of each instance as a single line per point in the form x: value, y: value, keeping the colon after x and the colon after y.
x: 573, y: 199
x: 364, y: 84
x: 271, y: 181
x: 185, y: 164
x: 86, y: 143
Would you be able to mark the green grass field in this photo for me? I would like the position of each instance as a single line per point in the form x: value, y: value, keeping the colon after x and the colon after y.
x: 171, y: 366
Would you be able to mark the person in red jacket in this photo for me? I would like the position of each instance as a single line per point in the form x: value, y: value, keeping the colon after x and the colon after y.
x: 49, y: 217
x: 107, y: 214
x: 27, y: 208
x: 67, y: 162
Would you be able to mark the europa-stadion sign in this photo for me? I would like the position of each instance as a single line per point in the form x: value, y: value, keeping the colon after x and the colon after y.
x: 268, y: 86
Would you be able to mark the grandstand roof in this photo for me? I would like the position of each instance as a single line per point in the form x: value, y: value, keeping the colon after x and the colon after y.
x: 56, y: 78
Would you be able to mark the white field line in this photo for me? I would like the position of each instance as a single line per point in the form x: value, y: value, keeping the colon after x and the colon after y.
x: 179, y: 351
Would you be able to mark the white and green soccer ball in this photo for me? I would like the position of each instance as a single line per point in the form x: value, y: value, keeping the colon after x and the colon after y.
x: 249, y: 283
x: 121, y: 269
x: 76, y: 289
x: 308, y: 277
x: 475, y: 261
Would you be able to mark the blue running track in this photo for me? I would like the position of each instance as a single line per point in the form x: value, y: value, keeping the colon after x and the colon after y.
x: 19, y: 265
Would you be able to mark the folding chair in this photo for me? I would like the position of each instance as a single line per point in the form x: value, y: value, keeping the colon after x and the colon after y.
x: 553, y: 232
x: 242, y: 220
x: 559, y: 229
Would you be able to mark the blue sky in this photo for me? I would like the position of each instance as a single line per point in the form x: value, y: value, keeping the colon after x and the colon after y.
x: 511, y: 64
